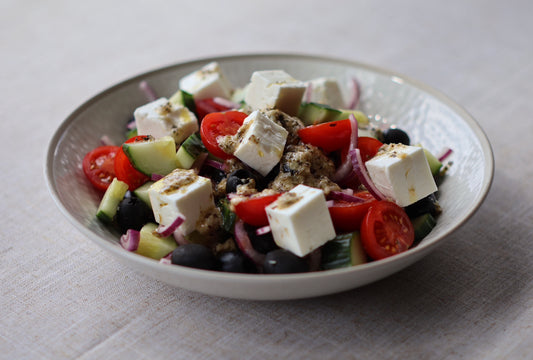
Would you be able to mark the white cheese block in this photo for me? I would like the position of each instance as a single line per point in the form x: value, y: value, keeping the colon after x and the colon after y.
x: 260, y: 142
x: 208, y: 82
x: 161, y: 118
x: 402, y: 173
x: 325, y: 91
x: 274, y: 89
x: 300, y: 220
x: 181, y: 192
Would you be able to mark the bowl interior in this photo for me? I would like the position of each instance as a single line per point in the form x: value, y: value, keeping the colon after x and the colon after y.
x: 429, y: 117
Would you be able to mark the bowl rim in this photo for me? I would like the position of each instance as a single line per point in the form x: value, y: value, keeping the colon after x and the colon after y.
x: 154, y: 265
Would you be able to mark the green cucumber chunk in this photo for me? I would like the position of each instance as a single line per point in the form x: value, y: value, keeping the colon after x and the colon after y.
x: 423, y: 225
x: 314, y: 113
x: 434, y: 164
x: 152, y: 156
x: 343, y: 251
x: 228, y: 216
x: 152, y: 245
x: 362, y: 119
x: 189, y: 151
x: 183, y: 98
x: 108, y: 205
x: 142, y: 192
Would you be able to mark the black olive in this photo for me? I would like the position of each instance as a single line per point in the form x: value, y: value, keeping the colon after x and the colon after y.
x: 194, y: 255
x: 261, y: 243
x: 215, y: 175
x: 396, y: 136
x: 234, y: 261
x: 133, y: 213
x: 238, y: 177
x: 282, y: 261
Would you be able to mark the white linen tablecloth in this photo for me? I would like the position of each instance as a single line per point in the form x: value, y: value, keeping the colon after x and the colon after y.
x: 62, y: 297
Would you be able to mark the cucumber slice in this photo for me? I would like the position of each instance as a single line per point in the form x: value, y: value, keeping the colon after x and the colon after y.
x: 189, y: 151
x: 153, y: 156
x: 183, y: 98
x: 343, y: 251
x: 434, y: 164
x: 228, y: 216
x: 362, y: 119
x: 108, y: 205
x: 313, y: 113
x: 423, y: 225
x: 142, y: 193
x: 153, y: 245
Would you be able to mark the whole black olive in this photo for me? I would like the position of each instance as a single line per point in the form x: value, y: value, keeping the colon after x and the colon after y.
x: 194, y: 255
x: 282, y: 261
x: 396, y: 136
x: 133, y: 213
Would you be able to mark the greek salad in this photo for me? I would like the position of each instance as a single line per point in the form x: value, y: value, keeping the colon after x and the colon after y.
x: 278, y: 176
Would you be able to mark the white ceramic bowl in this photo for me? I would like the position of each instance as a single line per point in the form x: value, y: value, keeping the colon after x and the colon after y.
x: 428, y: 116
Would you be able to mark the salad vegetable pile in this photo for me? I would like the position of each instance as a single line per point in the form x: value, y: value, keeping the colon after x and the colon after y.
x: 279, y: 176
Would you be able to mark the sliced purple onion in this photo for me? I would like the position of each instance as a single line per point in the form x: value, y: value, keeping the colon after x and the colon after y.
x: 245, y: 245
x: 263, y: 230
x: 215, y: 164
x: 309, y: 92
x: 180, y: 238
x: 130, y: 240
x: 445, y: 154
x: 339, y: 195
x: 156, y: 177
x: 106, y: 140
x: 330, y: 203
x: 166, y: 259
x: 131, y: 125
x: 148, y: 91
x: 360, y: 170
x: 167, y: 230
x: 356, y: 94
x: 344, y: 173
x: 225, y: 102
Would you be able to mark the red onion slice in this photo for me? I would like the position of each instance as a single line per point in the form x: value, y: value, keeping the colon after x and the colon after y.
x: 167, y: 260
x: 215, y: 164
x: 106, y: 140
x: 245, y: 245
x: 148, y: 91
x: 167, y: 230
x: 339, y: 195
x: 263, y: 230
x: 180, y: 238
x: 226, y: 103
x: 156, y: 177
x: 130, y: 240
x: 360, y: 170
x: 356, y: 94
x: 309, y: 92
x: 445, y: 154
x: 344, y: 171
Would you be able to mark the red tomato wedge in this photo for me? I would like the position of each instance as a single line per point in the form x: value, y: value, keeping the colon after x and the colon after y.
x: 386, y: 230
x: 125, y: 171
x: 252, y: 211
x: 347, y: 216
x: 368, y: 146
x: 99, y: 166
x: 208, y: 106
x: 219, y: 124
x: 329, y: 136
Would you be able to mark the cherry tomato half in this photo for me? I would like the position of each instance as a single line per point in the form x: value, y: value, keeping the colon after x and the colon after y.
x: 207, y: 106
x: 386, y: 230
x: 220, y: 124
x: 125, y: 171
x: 347, y: 216
x: 99, y: 166
x: 252, y: 211
x: 329, y: 136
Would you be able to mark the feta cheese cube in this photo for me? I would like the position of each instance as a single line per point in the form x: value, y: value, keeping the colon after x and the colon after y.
x: 208, y: 82
x: 402, y: 173
x: 300, y: 220
x: 325, y: 91
x: 181, y: 192
x: 260, y: 142
x: 274, y: 89
x: 161, y: 118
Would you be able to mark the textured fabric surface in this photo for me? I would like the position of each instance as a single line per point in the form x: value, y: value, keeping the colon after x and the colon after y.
x: 62, y: 297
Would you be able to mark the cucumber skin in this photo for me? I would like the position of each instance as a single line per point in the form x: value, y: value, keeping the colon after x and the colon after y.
x: 162, y: 158
x: 107, y: 208
x: 189, y: 151
x: 314, y: 113
x: 423, y: 225
x: 344, y: 251
x: 142, y: 192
